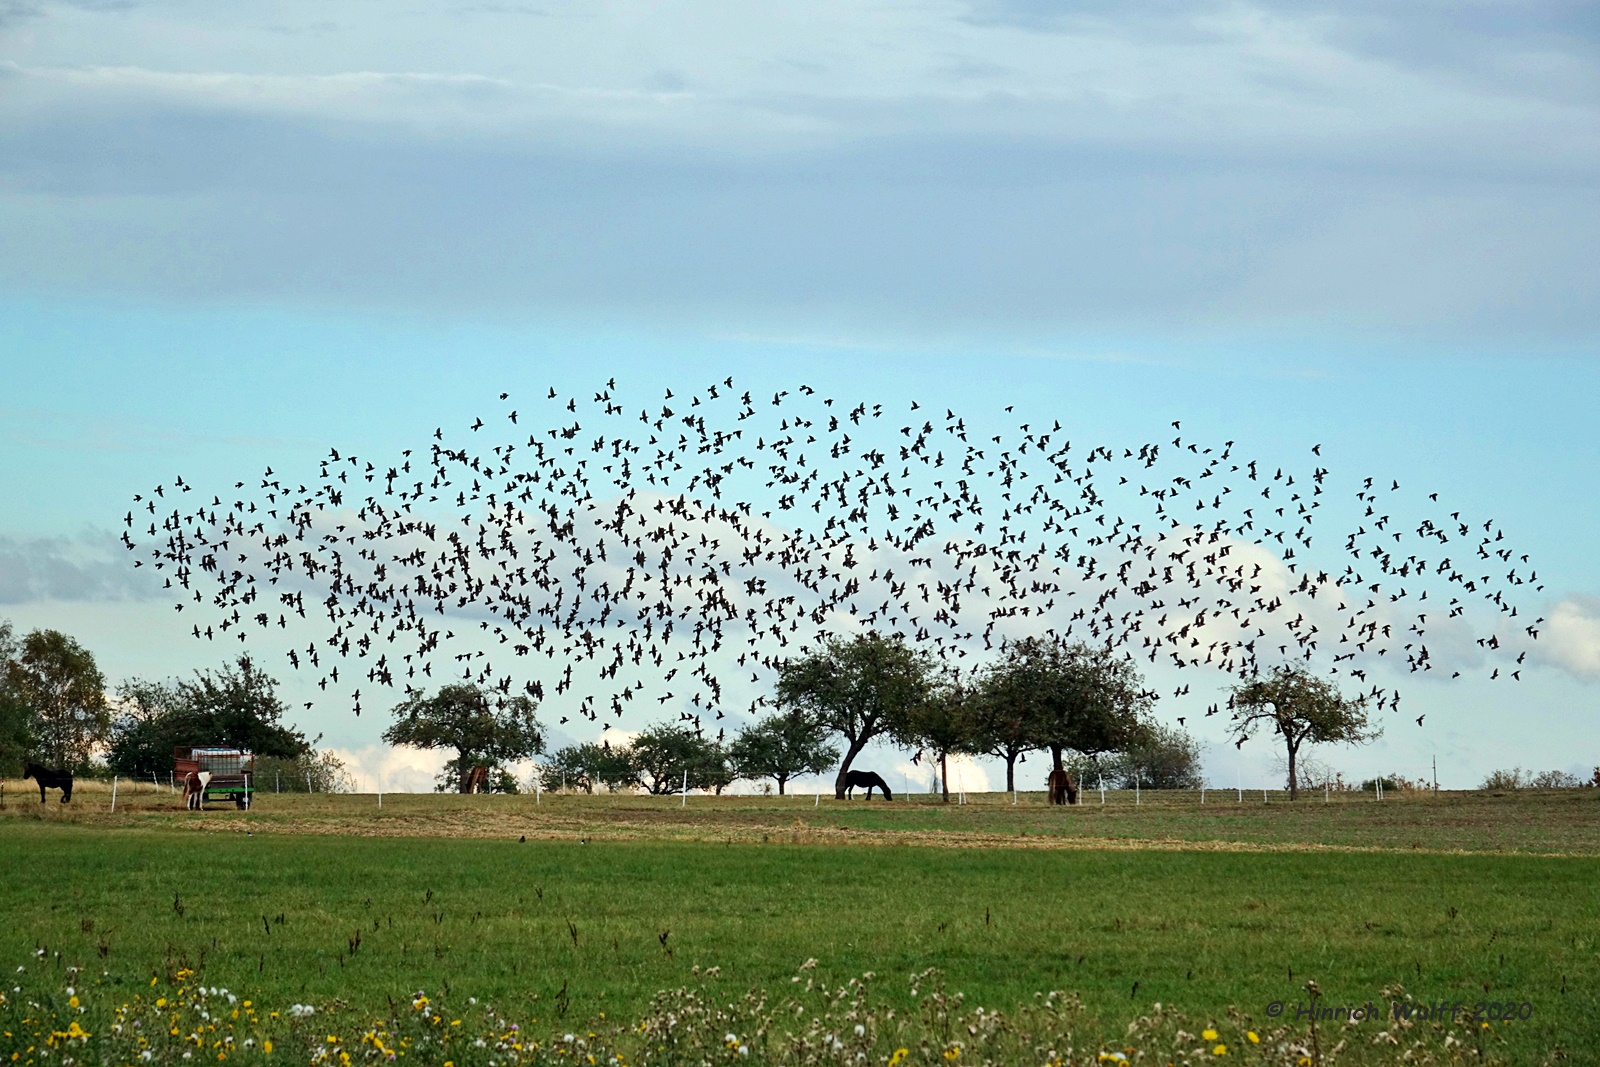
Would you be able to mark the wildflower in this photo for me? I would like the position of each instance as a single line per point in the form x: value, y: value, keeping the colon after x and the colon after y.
x: 899, y: 1054
x: 1251, y: 1034
x: 266, y: 1046
x: 1208, y: 1034
x: 1220, y: 1050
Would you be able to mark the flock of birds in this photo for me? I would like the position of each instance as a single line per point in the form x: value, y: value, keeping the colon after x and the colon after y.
x: 660, y: 553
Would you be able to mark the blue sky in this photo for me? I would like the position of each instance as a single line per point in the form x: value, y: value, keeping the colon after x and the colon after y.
x: 231, y: 237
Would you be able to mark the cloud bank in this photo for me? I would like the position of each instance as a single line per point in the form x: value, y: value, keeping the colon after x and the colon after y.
x: 929, y: 166
x: 91, y: 566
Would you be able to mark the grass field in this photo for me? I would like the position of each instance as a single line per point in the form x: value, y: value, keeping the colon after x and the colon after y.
x: 1462, y: 897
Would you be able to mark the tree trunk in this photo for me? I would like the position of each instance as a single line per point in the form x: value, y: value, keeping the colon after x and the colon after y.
x: 1294, y: 786
x: 1011, y: 771
x: 944, y: 776
x: 780, y: 787
x: 850, y: 754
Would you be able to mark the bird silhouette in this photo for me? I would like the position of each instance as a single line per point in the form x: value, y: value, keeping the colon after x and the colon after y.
x: 619, y: 548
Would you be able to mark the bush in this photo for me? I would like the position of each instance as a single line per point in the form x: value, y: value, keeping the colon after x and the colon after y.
x: 1515, y: 778
x: 1167, y: 758
x: 311, y: 771
x: 1555, y: 780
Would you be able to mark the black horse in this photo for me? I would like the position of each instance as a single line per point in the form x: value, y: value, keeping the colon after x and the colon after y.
x: 49, y: 779
x: 868, y: 780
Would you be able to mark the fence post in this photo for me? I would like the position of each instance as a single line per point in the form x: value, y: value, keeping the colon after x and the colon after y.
x: 113, y: 792
x: 685, y: 803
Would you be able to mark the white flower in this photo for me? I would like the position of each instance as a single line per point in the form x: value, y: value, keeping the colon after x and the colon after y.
x: 567, y: 1038
x: 71, y: 992
x: 145, y: 1055
x: 860, y: 1030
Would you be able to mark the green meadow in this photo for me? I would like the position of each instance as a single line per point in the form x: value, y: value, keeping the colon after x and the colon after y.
x: 609, y: 900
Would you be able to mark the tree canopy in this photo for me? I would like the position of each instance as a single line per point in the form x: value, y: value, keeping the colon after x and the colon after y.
x: 56, y: 680
x: 858, y: 687
x: 587, y: 766
x: 1301, y: 708
x: 234, y: 706
x: 16, y: 719
x: 483, y: 729
x: 1073, y: 697
x: 943, y: 723
x: 782, y: 747
x: 665, y: 756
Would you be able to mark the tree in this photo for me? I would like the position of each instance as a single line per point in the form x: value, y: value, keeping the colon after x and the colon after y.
x: 56, y: 679
x: 235, y: 706
x: 859, y: 687
x: 1078, y: 697
x: 587, y: 766
x: 16, y: 720
x: 481, y: 728
x: 1164, y: 757
x: 943, y: 723
x: 780, y: 747
x: 665, y: 756
x: 1000, y: 726
x: 1301, y: 708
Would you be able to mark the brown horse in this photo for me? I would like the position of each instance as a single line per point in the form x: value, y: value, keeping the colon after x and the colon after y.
x: 1060, y: 788
x: 476, y: 780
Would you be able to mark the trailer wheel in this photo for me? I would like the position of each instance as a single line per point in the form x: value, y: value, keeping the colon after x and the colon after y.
x: 238, y: 801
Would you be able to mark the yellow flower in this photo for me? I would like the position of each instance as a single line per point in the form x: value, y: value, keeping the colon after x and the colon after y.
x: 266, y: 1046
x: 1220, y: 1050
x: 72, y: 1002
x: 899, y: 1054
x: 161, y: 1002
x: 1209, y: 1035
x: 951, y: 1053
x: 1251, y: 1034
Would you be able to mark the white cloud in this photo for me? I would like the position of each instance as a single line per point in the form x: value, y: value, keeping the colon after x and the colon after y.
x: 91, y: 566
x: 1571, y: 637
x: 392, y: 769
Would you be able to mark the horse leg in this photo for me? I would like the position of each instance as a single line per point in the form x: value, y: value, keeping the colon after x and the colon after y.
x: 66, y: 793
x: 41, y: 792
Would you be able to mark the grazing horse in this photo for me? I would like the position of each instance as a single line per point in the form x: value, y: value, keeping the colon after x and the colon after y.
x: 868, y: 780
x: 476, y: 780
x: 49, y: 779
x: 1059, y: 786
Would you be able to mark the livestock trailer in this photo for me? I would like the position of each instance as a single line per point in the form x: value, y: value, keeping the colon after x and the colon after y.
x: 211, y: 773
